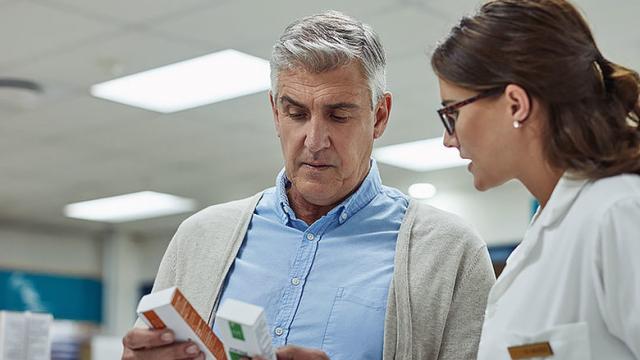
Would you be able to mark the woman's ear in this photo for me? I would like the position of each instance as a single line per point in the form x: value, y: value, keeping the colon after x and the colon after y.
x: 519, y: 103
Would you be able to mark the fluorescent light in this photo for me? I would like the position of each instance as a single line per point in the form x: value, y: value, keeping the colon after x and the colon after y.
x: 424, y: 155
x: 422, y: 191
x: 203, y: 80
x: 135, y: 206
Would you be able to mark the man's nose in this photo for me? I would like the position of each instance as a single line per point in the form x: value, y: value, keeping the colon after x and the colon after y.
x: 317, y: 135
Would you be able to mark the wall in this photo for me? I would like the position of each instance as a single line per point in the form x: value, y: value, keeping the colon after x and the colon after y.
x: 58, y: 253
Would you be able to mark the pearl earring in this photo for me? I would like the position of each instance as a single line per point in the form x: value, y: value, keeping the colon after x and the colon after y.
x: 516, y: 124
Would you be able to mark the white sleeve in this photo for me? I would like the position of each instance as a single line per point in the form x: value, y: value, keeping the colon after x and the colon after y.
x: 620, y: 256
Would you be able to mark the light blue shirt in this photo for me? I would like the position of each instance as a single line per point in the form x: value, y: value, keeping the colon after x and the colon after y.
x: 322, y: 285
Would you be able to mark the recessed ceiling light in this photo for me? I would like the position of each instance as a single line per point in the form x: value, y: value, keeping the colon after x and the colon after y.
x: 424, y: 155
x: 203, y: 80
x: 422, y: 191
x: 19, y: 94
x: 129, y: 207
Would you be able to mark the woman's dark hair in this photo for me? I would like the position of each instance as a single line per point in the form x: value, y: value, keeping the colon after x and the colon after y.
x: 546, y: 47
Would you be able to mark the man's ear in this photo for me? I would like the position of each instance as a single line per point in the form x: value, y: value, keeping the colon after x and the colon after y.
x: 274, y: 111
x: 519, y: 103
x: 382, y: 112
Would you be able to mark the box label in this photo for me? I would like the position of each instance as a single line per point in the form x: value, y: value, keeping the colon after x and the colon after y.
x: 234, y: 355
x: 236, y: 330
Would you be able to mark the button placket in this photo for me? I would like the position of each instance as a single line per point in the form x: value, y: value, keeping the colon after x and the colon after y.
x: 293, y: 294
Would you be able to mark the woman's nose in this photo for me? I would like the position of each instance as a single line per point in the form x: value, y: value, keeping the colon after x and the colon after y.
x: 450, y: 140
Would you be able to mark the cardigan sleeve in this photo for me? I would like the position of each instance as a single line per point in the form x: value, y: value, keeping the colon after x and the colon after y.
x: 449, y: 278
x: 464, y: 322
x: 166, y: 276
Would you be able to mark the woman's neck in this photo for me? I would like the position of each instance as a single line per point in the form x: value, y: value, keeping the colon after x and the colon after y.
x: 541, y: 181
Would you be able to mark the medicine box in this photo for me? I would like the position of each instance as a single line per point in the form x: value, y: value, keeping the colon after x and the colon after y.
x: 169, y: 308
x: 25, y: 336
x: 243, y: 328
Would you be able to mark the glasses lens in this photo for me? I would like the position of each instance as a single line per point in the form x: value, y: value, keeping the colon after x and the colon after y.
x: 448, y: 120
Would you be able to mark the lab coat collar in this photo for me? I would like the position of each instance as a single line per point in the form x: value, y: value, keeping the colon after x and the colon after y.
x: 562, y: 198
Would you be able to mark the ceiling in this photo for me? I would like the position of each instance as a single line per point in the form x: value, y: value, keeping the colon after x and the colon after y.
x: 68, y: 146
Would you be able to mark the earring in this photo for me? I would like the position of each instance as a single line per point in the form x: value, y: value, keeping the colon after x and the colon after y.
x: 516, y: 124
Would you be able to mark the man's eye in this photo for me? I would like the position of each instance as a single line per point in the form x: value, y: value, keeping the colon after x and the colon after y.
x: 297, y: 115
x: 339, y: 118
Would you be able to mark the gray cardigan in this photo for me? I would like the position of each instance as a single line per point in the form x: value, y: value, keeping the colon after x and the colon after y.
x: 437, y: 298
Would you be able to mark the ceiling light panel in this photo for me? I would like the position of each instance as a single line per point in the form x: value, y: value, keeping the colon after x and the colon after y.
x: 420, y: 156
x: 188, y: 84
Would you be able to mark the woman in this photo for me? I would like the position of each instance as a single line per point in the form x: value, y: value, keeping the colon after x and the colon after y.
x: 527, y: 95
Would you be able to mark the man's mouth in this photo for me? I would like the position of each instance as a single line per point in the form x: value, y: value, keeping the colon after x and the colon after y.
x: 318, y: 166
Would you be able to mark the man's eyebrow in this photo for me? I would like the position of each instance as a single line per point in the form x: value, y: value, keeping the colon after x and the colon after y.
x: 289, y: 100
x: 448, y: 102
x: 343, y: 106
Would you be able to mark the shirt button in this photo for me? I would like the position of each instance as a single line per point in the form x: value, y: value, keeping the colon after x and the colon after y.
x: 295, y: 281
x: 343, y: 216
x: 279, y: 331
x: 310, y: 237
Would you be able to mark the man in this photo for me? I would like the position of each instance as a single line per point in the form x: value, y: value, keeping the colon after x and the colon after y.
x: 340, y: 262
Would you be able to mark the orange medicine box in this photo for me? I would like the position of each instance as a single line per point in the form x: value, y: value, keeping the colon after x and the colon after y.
x: 169, y: 308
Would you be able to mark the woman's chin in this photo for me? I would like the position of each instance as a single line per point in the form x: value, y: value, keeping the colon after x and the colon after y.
x: 481, y: 183
x: 480, y: 186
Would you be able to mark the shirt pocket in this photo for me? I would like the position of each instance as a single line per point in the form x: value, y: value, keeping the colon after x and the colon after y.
x: 355, y: 328
x: 567, y: 341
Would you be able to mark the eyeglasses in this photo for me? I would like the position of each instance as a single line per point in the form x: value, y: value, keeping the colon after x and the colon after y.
x: 449, y: 114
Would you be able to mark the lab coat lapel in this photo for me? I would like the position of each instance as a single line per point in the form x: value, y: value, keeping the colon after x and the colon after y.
x: 561, y: 200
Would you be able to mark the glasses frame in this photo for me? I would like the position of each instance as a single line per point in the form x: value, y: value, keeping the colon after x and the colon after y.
x: 446, y: 112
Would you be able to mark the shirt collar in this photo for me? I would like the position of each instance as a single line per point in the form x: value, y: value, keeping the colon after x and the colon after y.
x: 370, y: 187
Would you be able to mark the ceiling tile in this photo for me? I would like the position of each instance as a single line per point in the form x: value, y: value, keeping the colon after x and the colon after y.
x: 239, y: 23
x: 29, y: 30
x: 120, y: 55
x: 129, y: 11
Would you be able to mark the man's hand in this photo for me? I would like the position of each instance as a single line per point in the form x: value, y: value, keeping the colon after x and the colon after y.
x: 143, y: 344
x: 298, y: 353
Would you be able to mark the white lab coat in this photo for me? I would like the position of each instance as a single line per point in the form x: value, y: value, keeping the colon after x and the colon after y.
x: 574, y: 281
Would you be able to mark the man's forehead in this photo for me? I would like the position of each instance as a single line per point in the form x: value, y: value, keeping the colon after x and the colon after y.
x: 326, y: 87
x: 333, y: 101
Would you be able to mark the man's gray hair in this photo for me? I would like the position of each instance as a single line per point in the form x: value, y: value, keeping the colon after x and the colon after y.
x: 326, y: 41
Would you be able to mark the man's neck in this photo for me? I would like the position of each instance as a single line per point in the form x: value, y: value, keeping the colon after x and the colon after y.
x: 305, y: 210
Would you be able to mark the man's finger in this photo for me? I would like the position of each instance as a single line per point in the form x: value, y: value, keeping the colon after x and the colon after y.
x: 297, y: 353
x: 175, y: 351
x: 185, y: 350
x: 147, y: 338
